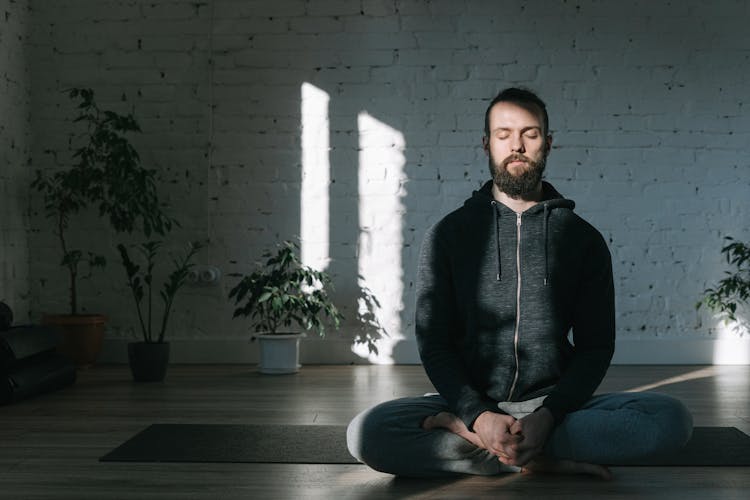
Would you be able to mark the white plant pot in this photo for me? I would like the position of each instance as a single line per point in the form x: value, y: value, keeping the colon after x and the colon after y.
x: 279, y: 353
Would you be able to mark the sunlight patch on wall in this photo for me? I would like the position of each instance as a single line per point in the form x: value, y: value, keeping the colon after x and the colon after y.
x: 732, y: 345
x: 381, y: 188
x: 316, y: 177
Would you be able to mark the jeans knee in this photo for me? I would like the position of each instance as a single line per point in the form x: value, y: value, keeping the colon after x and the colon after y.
x: 675, y: 424
x: 365, y: 438
x: 355, y: 435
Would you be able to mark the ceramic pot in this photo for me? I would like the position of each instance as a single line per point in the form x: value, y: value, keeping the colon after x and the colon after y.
x: 279, y: 353
x: 148, y: 360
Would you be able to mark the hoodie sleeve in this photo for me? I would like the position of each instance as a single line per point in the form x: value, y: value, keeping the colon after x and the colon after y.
x: 438, y: 330
x: 593, y: 334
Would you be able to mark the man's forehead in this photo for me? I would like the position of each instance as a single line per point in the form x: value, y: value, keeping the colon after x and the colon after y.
x: 511, y: 115
x: 513, y: 112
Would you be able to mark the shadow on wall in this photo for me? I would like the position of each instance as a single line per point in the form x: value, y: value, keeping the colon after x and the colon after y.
x: 369, y: 332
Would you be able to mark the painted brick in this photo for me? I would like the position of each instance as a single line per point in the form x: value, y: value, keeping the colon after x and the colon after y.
x: 258, y: 8
x: 359, y: 24
x: 15, y: 175
x: 646, y: 102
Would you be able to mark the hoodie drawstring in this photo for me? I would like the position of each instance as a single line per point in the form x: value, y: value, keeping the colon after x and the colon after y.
x: 545, y: 225
x: 546, y: 251
x: 497, y: 237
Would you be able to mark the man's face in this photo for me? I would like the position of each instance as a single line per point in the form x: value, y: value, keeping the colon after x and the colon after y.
x: 517, y: 148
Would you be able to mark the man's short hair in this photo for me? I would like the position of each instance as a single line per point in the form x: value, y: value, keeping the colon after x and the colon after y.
x: 521, y: 97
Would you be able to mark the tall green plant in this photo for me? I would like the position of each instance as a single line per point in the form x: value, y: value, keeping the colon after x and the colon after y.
x: 732, y: 291
x: 106, y: 174
x: 283, y: 292
x: 141, y: 281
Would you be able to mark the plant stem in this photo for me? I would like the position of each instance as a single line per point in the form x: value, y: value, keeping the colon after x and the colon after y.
x: 150, y: 295
x: 165, y: 317
x: 71, y: 265
x: 138, y: 308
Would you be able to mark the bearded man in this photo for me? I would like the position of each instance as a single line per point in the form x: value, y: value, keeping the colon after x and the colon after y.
x: 502, y: 282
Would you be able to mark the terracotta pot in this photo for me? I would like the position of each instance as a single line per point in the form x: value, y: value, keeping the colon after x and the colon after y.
x: 148, y: 360
x: 82, y: 336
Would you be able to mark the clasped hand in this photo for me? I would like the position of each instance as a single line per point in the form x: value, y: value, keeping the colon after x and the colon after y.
x: 514, y: 441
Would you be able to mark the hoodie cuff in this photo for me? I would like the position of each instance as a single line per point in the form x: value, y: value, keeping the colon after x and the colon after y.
x: 470, y: 415
x: 557, y: 414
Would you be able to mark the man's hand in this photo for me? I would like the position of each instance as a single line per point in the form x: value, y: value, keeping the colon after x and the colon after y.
x: 494, y: 429
x: 534, y: 429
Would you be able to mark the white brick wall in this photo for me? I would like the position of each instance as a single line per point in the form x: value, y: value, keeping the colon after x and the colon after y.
x: 14, y: 154
x: 647, y: 101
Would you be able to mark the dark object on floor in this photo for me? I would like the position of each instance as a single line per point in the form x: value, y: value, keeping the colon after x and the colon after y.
x: 6, y: 316
x: 30, y: 364
x: 326, y: 444
x: 148, y: 360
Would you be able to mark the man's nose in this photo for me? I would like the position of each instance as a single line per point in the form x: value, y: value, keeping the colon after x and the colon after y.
x: 517, y: 145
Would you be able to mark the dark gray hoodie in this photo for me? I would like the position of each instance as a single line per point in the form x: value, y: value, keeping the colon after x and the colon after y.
x: 497, y: 295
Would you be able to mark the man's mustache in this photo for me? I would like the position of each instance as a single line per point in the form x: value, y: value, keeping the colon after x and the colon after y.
x: 516, y: 157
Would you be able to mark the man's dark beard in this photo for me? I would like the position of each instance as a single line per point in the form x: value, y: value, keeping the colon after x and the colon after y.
x: 516, y: 185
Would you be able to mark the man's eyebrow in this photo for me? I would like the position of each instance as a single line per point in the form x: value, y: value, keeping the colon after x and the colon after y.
x: 523, y: 129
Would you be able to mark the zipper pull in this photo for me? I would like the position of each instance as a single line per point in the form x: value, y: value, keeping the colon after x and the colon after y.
x: 518, y: 220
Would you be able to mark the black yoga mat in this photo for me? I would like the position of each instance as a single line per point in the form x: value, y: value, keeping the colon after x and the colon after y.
x: 709, y: 446
x: 305, y: 444
x: 326, y: 444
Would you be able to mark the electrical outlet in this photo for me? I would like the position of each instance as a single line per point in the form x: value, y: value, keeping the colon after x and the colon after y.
x: 204, y: 275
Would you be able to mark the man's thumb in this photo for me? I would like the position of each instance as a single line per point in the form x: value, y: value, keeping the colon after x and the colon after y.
x: 516, y: 428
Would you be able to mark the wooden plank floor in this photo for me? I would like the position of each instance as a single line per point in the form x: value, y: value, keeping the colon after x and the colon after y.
x: 49, y: 446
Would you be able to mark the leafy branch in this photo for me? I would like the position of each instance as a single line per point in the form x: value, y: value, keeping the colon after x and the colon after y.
x: 283, y: 292
x: 141, y: 280
x: 107, y: 174
x: 732, y: 291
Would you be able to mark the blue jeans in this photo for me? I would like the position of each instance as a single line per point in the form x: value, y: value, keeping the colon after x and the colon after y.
x: 609, y: 429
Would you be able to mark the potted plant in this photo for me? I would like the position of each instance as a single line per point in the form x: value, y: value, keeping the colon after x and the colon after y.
x: 282, y: 293
x: 149, y: 358
x: 106, y: 174
x: 733, y: 291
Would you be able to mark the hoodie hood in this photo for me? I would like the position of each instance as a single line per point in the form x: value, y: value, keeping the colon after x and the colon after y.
x: 551, y: 199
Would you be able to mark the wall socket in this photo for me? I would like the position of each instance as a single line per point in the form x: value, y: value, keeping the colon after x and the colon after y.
x: 204, y: 275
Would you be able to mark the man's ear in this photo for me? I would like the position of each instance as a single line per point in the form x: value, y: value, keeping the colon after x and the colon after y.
x: 486, y: 144
x: 548, y: 145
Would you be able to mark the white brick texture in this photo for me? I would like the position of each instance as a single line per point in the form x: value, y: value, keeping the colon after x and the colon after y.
x: 647, y: 100
x: 14, y: 156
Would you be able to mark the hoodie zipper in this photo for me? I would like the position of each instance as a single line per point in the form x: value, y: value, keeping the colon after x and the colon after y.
x: 518, y: 303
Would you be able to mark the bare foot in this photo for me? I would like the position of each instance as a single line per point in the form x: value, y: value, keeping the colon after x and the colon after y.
x: 449, y: 421
x: 550, y: 466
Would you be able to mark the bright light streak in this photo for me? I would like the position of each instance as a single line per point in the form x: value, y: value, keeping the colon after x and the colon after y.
x: 381, y: 187
x: 694, y: 375
x: 316, y: 177
x: 732, y: 345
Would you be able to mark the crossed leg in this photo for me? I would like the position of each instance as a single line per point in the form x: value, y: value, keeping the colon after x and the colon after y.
x: 540, y: 464
x: 419, y: 437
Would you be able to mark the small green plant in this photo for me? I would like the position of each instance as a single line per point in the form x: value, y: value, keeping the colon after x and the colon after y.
x: 283, y: 292
x: 141, y: 280
x: 733, y: 291
x: 106, y: 174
